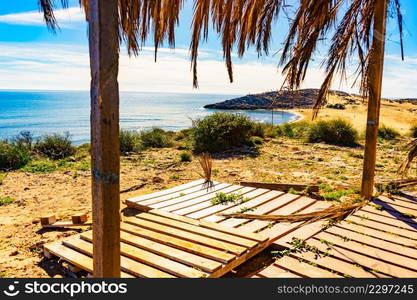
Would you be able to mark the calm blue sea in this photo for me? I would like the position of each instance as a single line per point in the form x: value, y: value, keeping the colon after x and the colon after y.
x: 45, y: 112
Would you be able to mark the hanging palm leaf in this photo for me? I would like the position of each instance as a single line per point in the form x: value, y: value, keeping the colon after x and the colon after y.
x: 242, y: 24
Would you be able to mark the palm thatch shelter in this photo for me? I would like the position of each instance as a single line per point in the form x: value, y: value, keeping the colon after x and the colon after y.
x: 359, y: 30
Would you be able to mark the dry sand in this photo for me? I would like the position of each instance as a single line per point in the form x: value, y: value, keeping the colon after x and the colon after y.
x: 400, y: 116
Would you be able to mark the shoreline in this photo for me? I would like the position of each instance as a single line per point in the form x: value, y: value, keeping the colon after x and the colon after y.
x: 299, y: 117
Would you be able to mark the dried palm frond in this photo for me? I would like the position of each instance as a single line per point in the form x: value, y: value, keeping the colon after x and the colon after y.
x: 137, y: 20
x: 412, y: 154
x: 353, y: 34
x: 335, y: 212
x: 206, y: 164
x: 242, y: 24
x: 47, y: 8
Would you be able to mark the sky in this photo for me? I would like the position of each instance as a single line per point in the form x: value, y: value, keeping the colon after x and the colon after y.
x: 31, y: 57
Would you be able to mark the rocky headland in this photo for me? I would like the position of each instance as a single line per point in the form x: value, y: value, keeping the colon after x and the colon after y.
x: 304, y: 98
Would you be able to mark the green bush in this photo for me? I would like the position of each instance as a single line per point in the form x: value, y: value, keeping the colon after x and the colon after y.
x: 413, y: 131
x: 24, y: 140
x: 286, y: 130
x: 12, y: 157
x: 221, y: 131
x: 256, y: 140
x: 336, y: 131
x: 156, y: 138
x: 55, y: 146
x: 129, y: 141
x: 41, y: 166
x: 184, y: 134
x: 387, y: 133
x: 185, y: 156
x: 295, y: 130
x: 264, y: 130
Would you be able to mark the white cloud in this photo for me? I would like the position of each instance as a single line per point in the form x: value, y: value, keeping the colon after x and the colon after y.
x: 66, y: 18
x: 66, y: 67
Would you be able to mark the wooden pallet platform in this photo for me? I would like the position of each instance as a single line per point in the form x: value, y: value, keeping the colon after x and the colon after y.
x: 380, y: 240
x: 193, y: 200
x: 376, y: 241
x: 161, y: 246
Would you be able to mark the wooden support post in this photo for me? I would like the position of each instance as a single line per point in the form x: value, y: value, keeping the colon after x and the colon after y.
x: 79, y: 218
x: 376, y: 66
x: 47, y: 220
x: 104, y: 64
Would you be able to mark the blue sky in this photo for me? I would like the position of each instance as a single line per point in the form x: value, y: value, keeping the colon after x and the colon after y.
x: 33, y: 58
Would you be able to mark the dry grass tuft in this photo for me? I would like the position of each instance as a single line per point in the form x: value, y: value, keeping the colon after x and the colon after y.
x: 206, y: 163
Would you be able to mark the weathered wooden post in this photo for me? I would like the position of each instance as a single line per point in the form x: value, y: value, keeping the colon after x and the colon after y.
x: 376, y: 67
x: 104, y: 64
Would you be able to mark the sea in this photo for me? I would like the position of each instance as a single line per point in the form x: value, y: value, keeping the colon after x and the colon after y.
x: 48, y: 112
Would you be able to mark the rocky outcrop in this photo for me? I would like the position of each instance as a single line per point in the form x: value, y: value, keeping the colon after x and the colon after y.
x: 304, y: 98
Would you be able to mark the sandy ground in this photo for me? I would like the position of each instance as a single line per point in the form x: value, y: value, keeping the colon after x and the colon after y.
x: 395, y: 115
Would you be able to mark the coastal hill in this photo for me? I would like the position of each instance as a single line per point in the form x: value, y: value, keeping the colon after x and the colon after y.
x: 301, y: 99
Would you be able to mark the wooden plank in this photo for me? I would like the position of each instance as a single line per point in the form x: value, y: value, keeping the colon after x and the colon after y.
x: 263, y: 209
x: 405, y: 196
x: 377, y: 233
x: 283, y: 233
x: 362, y: 259
x: 399, y: 201
x: 304, y: 269
x: 389, y: 217
x: 210, y: 225
x: 213, y: 209
x: 338, y: 265
x: 196, y: 205
x: 396, y: 208
x: 383, y: 226
x: 178, y: 243
x: 380, y: 254
x: 275, y: 271
x: 197, y: 197
x: 174, y: 189
x: 184, y: 257
x: 75, y: 258
x: 66, y: 224
x: 158, y: 266
x: 247, y: 243
x: 372, y: 241
x: 240, y: 259
x: 291, y: 208
x: 284, y: 187
x: 257, y: 201
x: 184, y: 195
x: 196, y: 238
